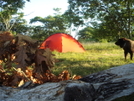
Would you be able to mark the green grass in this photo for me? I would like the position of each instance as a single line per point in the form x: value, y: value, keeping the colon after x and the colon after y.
x: 98, y: 57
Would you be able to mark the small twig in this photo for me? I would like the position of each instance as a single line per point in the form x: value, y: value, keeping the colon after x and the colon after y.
x: 22, y: 73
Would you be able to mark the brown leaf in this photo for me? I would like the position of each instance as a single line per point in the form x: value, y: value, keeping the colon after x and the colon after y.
x: 76, y: 77
x: 5, y: 36
x: 21, y: 57
x: 23, y: 39
x: 51, y: 77
x: 65, y: 75
x: 40, y: 64
x: 50, y: 60
x: 7, y: 46
x: 38, y: 78
x: 44, y: 60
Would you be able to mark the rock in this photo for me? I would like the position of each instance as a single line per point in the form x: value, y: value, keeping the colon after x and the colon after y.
x: 106, y: 85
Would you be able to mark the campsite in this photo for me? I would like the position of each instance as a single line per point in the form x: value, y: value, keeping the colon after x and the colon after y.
x: 72, y: 61
x: 69, y: 65
x: 66, y: 50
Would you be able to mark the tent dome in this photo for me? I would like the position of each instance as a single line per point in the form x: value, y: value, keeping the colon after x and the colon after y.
x: 62, y: 42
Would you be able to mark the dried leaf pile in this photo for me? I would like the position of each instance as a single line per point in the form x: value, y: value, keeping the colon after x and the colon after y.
x: 21, y: 61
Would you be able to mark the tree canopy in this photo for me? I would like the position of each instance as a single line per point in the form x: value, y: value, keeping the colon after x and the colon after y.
x: 10, y: 14
x: 49, y: 25
x: 109, y: 19
x: 116, y: 16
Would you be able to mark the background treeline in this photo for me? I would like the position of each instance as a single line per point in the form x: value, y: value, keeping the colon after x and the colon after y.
x: 93, y: 20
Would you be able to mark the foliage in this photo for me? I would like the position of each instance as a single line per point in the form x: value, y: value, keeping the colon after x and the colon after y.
x: 22, y: 51
x: 19, y: 49
x: 72, y: 18
x: 50, y: 25
x: 12, y: 5
x: 9, y: 15
x: 86, y: 33
x: 95, y: 34
x: 22, y: 61
x: 116, y: 16
x: 98, y: 57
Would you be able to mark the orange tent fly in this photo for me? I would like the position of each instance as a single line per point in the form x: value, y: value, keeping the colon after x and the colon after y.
x: 62, y: 42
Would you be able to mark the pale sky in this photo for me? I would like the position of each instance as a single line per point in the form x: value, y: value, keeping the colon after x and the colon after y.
x: 43, y: 8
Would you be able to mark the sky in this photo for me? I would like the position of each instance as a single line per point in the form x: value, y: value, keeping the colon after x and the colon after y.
x: 43, y: 8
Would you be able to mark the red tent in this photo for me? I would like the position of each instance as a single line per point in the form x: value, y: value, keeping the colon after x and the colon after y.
x: 63, y: 43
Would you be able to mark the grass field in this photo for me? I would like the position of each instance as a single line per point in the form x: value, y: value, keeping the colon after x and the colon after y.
x: 98, y: 57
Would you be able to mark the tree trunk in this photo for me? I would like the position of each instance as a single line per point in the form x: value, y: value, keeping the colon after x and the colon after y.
x: 106, y: 85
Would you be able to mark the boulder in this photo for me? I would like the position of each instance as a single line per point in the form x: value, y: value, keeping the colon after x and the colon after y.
x: 106, y: 85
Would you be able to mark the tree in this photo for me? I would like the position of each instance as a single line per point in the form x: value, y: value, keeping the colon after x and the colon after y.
x: 9, y: 13
x: 49, y: 25
x: 86, y: 33
x: 115, y: 14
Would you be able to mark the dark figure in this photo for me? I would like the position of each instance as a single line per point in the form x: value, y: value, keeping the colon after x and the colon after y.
x: 127, y: 45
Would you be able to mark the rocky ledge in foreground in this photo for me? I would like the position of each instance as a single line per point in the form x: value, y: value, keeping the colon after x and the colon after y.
x: 106, y: 85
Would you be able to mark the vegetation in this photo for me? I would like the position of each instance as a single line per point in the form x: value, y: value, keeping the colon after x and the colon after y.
x: 115, y: 17
x: 10, y: 17
x: 98, y: 57
x: 21, y: 61
x: 24, y: 62
x: 50, y: 25
x: 101, y: 19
